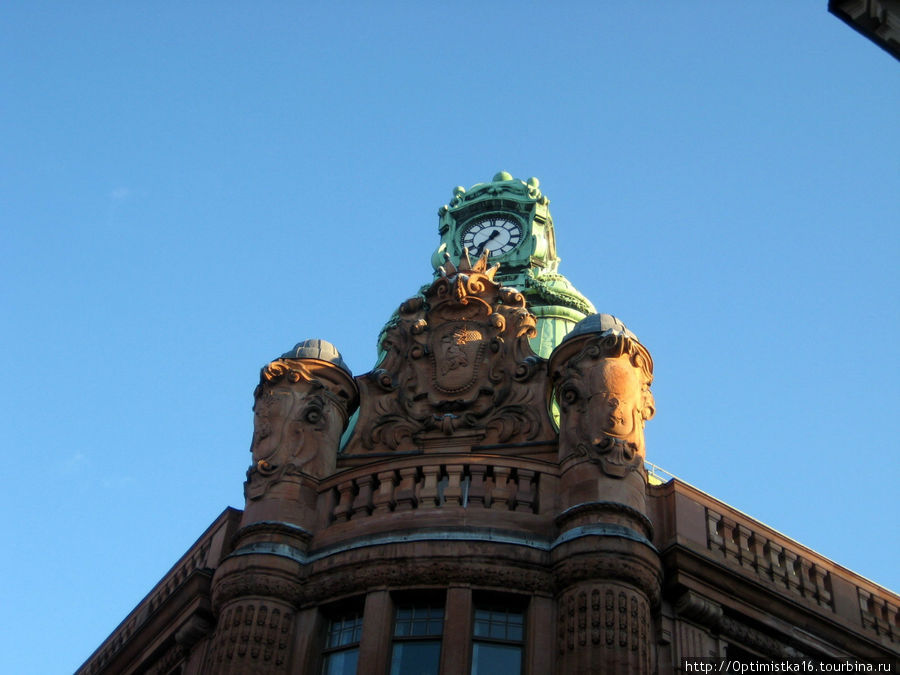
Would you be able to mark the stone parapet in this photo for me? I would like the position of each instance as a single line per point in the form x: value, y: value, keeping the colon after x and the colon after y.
x: 707, y: 546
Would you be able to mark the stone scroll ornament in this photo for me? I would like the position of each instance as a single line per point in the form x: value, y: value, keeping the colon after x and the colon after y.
x: 301, y: 407
x: 457, y: 361
x: 601, y: 378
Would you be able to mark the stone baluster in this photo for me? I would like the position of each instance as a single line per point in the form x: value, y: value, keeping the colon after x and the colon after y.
x: 383, y: 499
x: 362, y: 503
x: 477, y: 487
x: 714, y: 531
x: 345, y: 500
x: 428, y: 488
x: 824, y: 582
x: 502, y: 489
x: 453, y: 489
x: 792, y: 568
x: 746, y: 547
x: 770, y: 558
x: 731, y: 534
x: 405, y: 494
x: 807, y: 579
x: 526, y: 493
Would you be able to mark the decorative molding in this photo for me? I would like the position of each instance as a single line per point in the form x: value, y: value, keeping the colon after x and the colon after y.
x: 266, y: 582
x: 251, y: 635
x: 457, y: 362
x: 702, y: 610
x: 710, y: 614
x: 401, y: 572
x: 605, y: 625
x: 606, y: 507
x: 756, y: 640
x: 610, y: 566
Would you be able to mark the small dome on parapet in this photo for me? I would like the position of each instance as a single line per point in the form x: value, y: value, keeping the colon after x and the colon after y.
x: 317, y: 349
x: 600, y: 324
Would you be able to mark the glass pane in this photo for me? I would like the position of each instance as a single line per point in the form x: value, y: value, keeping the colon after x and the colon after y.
x: 341, y: 663
x: 345, y: 630
x: 419, y: 621
x: 416, y: 658
x: 499, y: 624
x: 491, y: 659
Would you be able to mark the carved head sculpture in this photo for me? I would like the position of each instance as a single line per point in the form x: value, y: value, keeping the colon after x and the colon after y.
x: 601, y: 378
x: 301, y: 407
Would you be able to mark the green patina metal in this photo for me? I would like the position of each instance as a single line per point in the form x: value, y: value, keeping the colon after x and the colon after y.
x: 532, y: 265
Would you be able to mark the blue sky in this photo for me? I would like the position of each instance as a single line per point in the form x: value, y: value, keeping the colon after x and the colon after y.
x: 187, y: 191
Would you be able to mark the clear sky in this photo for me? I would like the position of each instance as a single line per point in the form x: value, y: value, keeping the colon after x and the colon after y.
x: 188, y: 189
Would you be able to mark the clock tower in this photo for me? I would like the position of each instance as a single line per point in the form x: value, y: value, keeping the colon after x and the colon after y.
x: 510, y: 219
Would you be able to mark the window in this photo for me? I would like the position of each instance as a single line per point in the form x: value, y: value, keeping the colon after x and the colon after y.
x: 342, y: 644
x: 417, y: 639
x: 497, y: 640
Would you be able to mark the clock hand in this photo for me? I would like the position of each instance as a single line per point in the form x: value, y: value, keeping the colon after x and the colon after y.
x: 487, y: 241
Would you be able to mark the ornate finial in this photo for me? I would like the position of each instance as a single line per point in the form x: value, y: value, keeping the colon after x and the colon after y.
x: 465, y: 263
x: 502, y: 176
x: 448, y: 269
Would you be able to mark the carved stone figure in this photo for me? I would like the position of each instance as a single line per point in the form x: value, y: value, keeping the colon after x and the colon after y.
x: 301, y: 408
x: 457, y: 365
x: 602, y: 378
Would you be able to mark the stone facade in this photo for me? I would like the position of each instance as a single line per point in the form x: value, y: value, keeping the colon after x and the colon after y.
x: 491, y: 506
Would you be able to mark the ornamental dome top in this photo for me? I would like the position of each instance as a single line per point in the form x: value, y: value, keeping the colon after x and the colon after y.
x: 321, y: 350
x: 600, y: 324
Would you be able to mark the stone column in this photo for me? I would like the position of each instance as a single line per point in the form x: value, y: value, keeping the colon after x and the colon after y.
x: 302, y: 405
x: 606, y: 568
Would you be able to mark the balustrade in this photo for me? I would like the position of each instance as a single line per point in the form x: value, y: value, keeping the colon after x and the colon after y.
x: 767, y: 559
x: 880, y: 615
x: 432, y: 486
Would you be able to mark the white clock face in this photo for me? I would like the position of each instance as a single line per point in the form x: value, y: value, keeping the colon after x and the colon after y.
x: 498, y: 234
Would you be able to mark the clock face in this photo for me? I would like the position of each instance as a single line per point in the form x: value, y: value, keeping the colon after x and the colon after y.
x: 497, y: 233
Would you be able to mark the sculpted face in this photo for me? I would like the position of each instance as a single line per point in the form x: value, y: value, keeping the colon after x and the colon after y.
x: 603, y: 388
x: 292, y: 424
x: 271, y: 415
x: 614, y: 398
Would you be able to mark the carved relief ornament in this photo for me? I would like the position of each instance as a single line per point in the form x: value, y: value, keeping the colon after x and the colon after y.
x: 602, y: 384
x: 301, y: 407
x: 457, y: 360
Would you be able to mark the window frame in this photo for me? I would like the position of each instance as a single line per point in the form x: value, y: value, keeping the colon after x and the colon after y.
x: 429, y: 601
x: 499, y: 604
x: 345, y: 613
